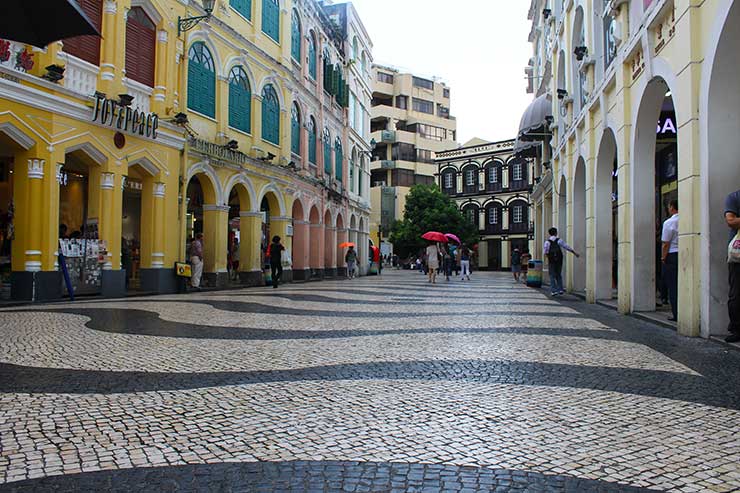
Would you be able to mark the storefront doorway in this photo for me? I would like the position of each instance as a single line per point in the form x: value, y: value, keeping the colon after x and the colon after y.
x: 194, y: 218
x: 131, y: 247
x: 234, y: 236
x: 6, y: 215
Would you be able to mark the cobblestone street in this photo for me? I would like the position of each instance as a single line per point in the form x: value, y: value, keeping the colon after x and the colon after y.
x: 377, y: 384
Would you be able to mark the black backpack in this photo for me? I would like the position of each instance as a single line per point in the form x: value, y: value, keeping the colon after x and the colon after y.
x: 555, y: 254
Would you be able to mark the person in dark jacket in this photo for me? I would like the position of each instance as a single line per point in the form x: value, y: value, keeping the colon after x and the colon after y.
x: 274, y: 252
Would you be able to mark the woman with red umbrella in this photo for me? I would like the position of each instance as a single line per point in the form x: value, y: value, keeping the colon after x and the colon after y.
x: 433, y: 253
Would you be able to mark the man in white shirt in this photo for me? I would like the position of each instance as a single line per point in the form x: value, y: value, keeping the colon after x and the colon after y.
x: 669, y: 256
x: 553, y: 250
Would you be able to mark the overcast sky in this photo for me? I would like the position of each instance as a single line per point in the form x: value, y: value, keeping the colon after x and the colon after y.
x: 479, y: 47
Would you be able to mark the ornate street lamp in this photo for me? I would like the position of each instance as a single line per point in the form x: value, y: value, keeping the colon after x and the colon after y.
x: 187, y: 23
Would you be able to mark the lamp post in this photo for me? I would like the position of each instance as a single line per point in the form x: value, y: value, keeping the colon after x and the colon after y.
x: 187, y: 23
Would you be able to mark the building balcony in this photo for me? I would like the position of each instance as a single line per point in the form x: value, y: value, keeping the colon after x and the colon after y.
x: 387, y: 136
x: 387, y: 164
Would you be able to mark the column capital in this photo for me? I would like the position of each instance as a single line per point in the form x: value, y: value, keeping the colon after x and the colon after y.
x: 249, y: 214
x: 162, y: 36
x: 59, y: 173
x: 110, y: 7
x: 280, y: 218
x: 215, y: 207
x: 159, y: 189
x: 36, y: 168
x: 107, y: 180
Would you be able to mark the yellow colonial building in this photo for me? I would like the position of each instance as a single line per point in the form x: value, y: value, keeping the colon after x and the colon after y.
x: 235, y: 126
x: 636, y: 104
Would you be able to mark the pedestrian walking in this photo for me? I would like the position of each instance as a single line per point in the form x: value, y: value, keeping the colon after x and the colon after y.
x: 464, y: 263
x: 432, y: 253
x: 196, y: 261
x: 350, y: 258
x: 669, y: 256
x: 447, y: 261
x: 553, y: 250
x: 516, y: 264
x: 732, y: 217
x: 275, y: 253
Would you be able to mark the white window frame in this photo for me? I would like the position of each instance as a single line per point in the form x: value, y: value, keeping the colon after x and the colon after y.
x: 492, y: 175
x: 493, y: 215
x: 470, y: 178
x: 517, y: 174
x: 518, y: 214
x: 448, y: 180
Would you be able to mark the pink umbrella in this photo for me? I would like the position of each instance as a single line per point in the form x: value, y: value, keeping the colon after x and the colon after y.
x: 453, y: 238
x: 434, y: 236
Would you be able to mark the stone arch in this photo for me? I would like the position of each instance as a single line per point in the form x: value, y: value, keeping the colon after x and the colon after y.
x: 316, y: 240
x: 562, y: 198
x: 604, y: 250
x: 274, y: 81
x: 578, y: 39
x: 342, y: 236
x: 212, y: 192
x: 578, y: 221
x: 245, y: 189
x: 329, y: 241
x: 204, y: 37
x: 643, y: 209
x: 274, y: 199
x: 719, y: 126
x: 242, y: 62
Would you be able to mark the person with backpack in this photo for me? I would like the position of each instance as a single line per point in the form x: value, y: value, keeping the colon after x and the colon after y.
x: 553, y: 250
x: 464, y: 263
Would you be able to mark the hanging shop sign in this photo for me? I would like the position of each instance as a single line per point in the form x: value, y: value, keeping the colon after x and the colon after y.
x: 113, y: 114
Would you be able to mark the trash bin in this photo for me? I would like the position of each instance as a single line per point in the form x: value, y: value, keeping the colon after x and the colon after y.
x: 534, y: 274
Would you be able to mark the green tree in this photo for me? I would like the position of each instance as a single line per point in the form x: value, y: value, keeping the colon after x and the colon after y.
x: 428, y: 209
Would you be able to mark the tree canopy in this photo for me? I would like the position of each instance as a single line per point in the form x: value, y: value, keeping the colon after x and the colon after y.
x: 428, y: 209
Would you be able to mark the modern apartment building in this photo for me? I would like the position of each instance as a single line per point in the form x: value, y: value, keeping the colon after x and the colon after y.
x: 636, y: 104
x: 410, y: 122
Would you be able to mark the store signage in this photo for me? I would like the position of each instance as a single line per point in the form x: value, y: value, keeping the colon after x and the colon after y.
x: 112, y: 113
x: 666, y: 125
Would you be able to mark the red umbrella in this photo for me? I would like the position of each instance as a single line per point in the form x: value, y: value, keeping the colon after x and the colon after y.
x: 453, y: 238
x: 434, y: 236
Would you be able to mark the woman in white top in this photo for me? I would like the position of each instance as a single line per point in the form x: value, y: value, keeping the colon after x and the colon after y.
x: 433, y: 262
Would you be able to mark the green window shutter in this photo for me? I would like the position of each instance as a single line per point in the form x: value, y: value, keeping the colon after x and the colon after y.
x: 295, y: 37
x: 312, y: 58
x: 295, y: 131
x: 336, y: 75
x: 359, y: 181
x: 270, y: 115
x: 345, y: 99
x: 338, y: 161
x: 240, y: 100
x: 312, y: 145
x: 244, y: 7
x: 352, y: 176
x: 271, y: 19
x: 201, y: 80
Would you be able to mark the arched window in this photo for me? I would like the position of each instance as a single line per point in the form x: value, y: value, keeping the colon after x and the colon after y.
x: 364, y: 63
x: 360, y: 173
x: 470, y: 212
x: 201, y: 80
x: 244, y: 7
x: 271, y: 19
x: 352, y: 172
x: 295, y: 129
x: 517, y: 175
x: 270, y: 115
x: 355, y: 49
x: 494, y: 218
x: 338, y: 160
x: 493, y: 176
x: 518, y: 216
x: 449, y: 185
x: 240, y: 100
x: 470, y: 178
x: 312, y: 141
x: 141, y: 41
x: 87, y: 47
x: 327, y: 152
x: 295, y: 37
x: 312, y: 56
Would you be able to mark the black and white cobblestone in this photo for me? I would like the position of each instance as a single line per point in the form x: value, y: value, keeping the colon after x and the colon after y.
x: 379, y: 384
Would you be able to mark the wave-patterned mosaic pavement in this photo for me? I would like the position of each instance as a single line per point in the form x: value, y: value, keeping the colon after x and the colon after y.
x: 377, y: 384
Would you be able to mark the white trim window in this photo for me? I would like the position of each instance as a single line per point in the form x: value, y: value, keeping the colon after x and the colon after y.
x: 448, y: 180
x: 492, y: 175
x: 470, y: 177
x: 517, y: 174
x: 493, y: 215
x: 518, y: 214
